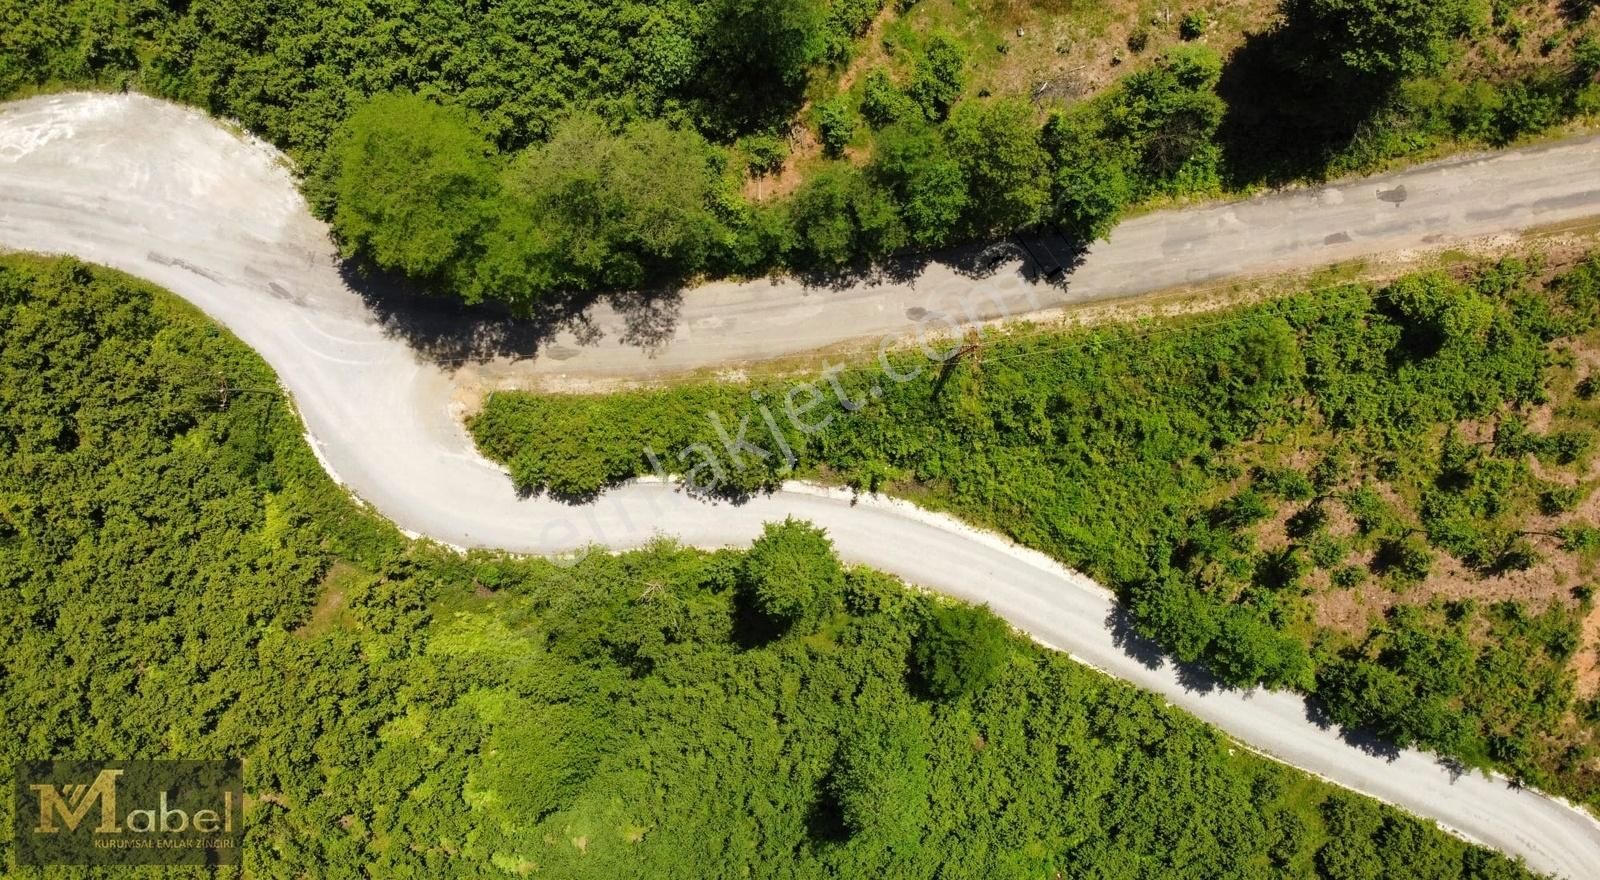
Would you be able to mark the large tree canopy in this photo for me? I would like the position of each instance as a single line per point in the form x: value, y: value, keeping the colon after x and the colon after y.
x: 416, y: 186
x: 759, y: 53
x: 791, y: 575
x: 620, y: 207
x: 997, y: 143
x: 961, y: 650
x: 1379, y: 39
x: 913, y: 162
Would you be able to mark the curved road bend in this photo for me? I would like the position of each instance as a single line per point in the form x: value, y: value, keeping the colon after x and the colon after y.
x: 163, y: 193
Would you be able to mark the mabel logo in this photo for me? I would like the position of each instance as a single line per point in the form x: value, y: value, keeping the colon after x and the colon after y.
x: 73, y: 804
x: 129, y: 813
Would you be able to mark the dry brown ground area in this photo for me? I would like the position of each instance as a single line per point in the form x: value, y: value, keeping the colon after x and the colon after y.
x: 1056, y: 52
x: 805, y: 149
x: 1535, y: 22
x: 1586, y: 665
x: 1059, y: 52
x: 1549, y: 583
x: 330, y: 607
x: 1071, y: 50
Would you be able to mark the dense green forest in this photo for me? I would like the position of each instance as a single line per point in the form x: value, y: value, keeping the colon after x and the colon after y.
x: 179, y: 579
x: 521, y: 149
x: 1228, y: 474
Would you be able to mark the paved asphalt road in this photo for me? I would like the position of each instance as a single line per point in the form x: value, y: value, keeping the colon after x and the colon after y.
x: 161, y: 192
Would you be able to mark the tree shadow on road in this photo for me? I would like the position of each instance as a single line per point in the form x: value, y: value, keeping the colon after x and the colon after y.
x: 1039, y: 252
x: 1365, y: 741
x: 1195, y: 678
x: 1126, y: 636
x: 1149, y: 654
x: 450, y: 333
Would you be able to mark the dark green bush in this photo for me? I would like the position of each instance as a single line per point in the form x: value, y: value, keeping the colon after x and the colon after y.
x: 836, y: 125
x: 791, y: 575
x: 1192, y: 26
x: 961, y: 650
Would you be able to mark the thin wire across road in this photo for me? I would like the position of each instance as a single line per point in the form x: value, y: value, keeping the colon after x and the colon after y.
x: 166, y: 194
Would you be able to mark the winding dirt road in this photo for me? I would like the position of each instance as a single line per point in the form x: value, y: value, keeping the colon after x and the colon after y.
x: 166, y: 194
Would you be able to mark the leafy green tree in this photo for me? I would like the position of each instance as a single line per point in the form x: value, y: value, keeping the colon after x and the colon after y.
x: 881, y: 779
x: 1004, y: 164
x: 1154, y: 129
x: 517, y: 261
x: 1169, y: 112
x: 836, y: 125
x: 1579, y: 538
x: 1091, y: 192
x: 1580, y: 292
x: 1376, y: 39
x: 1528, y: 107
x: 1242, y: 510
x: 1184, y: 619
x: 1262, y: 367
x: 619, y: 208
x: 1248, y: 650
x: 1586, y: 58
x: 1440, y: 311
x: 1091, y: 185
x: 838, y: 215
x: 759, y: 51
x: 791, y: 574
x: 766, y: 153
x: 912, y: 161
x: 882, y: 103
x: 415, y: 186
x: 962, y: 650
x: 939, y: 78
x: 1408, y: 558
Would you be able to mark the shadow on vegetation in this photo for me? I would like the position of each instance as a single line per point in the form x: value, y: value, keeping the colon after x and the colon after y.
x: 751, y: 628
x: 1282, y: 124
x: 1576, y: 10
x: 824, y: 819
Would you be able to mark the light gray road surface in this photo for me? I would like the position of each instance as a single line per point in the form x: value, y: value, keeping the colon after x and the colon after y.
x: 163, y: 193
